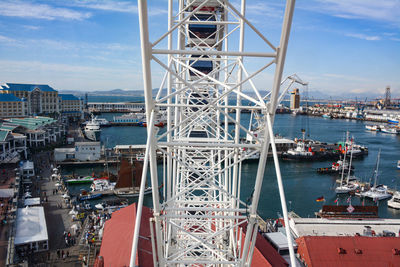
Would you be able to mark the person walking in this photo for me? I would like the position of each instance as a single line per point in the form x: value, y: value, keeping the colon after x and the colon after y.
x: 58, y: 253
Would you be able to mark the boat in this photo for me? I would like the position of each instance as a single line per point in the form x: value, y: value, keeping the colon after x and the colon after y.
x: 377, y: 192
x: 373, y: 128
x: 389, y: 130
x: 100, y: 121
x: 131, y: 118
x: 394, y: 202
x: 300, y: 152
x: 348, y: 186
x: 393, y: 121
x: 129, y: 179
x: 337, y: 167
x: 101, y: 185
x: 80, y: 180
x: 83, y: 197
x: 112, y: 205
x: 92, y: 130
x: 357, y: 150
x: 398, y: 164
x: 327, y: 116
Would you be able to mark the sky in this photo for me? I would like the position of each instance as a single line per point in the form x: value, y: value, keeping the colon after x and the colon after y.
x: 338, y: 46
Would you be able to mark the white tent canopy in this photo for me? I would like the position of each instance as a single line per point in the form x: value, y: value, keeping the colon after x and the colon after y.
x: 31, y: 226
x: 32, y: 201
x: 6, y: 193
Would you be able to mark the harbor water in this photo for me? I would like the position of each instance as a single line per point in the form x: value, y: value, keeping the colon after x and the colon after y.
x: 302, y: 184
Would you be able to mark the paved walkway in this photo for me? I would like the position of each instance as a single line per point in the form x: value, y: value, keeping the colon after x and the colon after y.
x: 57, y: 218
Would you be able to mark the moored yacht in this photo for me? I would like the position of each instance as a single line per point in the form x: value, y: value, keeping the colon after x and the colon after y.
x: 102, y: 185
x: 347, y: 187
x: 394, y: 202
x: 372, y: 127
x: 92, y: 130
x: 389, y: 130
x: 377, y: 192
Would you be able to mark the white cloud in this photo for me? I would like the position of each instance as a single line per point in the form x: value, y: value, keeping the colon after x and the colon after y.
x: 5, y: 39
x: 70, y: 76
x: 39, y: 11
x: 364, y: 36
x: 116, y: 6
x: 383, y: 11
x: 31, y: 27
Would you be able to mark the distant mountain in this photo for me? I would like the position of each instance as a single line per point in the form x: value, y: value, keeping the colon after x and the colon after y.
x: 312, y: 95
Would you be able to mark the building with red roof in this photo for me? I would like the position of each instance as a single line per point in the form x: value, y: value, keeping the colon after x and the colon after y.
x: 117, y: 242
x: 354, y: 251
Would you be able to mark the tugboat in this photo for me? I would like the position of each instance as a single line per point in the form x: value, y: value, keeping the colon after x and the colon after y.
x: 92, y: 130
x: 301, y: 152
x: 337, y: 167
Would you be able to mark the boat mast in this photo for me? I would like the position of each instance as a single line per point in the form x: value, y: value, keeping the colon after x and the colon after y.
x: 377, y: 167
x: 351, y: 159
x: 343, y: 163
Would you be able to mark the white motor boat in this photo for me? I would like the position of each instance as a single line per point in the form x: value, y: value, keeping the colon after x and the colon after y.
x: 92, y: 130
x: 394, y: 202
x: 372, y: 127
x: 378, y: 192
x: 101, y: 185
x: 389, y: 130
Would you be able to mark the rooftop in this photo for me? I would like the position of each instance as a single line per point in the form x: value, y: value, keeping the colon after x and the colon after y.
x: 32, y: 123
x: 349, y: 251
x: 65, y: 97
x: 9, y: 98
x: 336, y: 227
x: 3, y: 135
x: 27, y: 87
x: 31, y: 225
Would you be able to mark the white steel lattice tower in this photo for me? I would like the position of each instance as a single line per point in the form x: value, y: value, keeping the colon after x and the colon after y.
x: 200, y: 219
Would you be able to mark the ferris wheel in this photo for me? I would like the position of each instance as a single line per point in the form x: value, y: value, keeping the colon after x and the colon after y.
x: 200, y: 219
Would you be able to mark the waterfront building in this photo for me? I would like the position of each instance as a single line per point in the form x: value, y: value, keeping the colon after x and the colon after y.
x: 40, y: 98
x: 116, y: 107
x: 11, y: 144
x: 83, y: 151
x: 31, y: 231
x: 341, y: 227
x: 11, y: 106
x: 295, y: 99
x: 349, y: 251
x: 71, y: 106
x: 38, y: 130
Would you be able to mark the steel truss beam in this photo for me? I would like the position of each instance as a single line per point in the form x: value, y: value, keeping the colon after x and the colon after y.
x: 200, y: 217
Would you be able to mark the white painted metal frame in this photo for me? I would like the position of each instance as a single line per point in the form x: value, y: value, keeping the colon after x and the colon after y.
x: 200, y: 219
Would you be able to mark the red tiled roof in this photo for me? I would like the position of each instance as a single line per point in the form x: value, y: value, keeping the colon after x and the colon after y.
x: 117, y: 238
x: 117, y: 242
x: 351, y: 251
x: 264, y: 254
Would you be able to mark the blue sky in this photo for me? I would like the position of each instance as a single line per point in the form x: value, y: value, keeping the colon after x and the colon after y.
x: 338, y: 46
